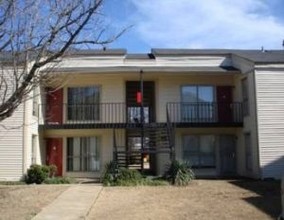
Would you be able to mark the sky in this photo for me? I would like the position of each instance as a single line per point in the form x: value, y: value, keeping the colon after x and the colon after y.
x: 196, y: 24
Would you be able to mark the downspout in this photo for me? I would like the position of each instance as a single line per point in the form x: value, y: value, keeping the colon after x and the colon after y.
x: 142, y: 118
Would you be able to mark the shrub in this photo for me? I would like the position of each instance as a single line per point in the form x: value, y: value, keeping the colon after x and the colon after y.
x: 59, y: 180
x: 127, y: 177
x: 52, y: 170
x: 37, y: 174
x: 110, y: 174
x: 179, y: 174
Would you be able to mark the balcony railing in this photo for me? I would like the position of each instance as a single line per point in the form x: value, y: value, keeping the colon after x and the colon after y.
x: 205, y: 112
x: 119, y: 113
x: 101, y: 113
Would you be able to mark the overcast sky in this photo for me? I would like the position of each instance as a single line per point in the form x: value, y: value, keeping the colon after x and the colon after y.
x: 244, y: 24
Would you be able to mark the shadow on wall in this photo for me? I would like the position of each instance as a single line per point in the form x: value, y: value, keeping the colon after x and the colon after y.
x: 268, y: 195
x: 275, y: 169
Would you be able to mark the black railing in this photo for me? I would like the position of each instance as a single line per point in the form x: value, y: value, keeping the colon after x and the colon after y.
x: 101, y: 113
x: 171, y: 135
x: 205, y: 112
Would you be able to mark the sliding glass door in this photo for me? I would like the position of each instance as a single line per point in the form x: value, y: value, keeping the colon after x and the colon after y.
x: 197, y: 103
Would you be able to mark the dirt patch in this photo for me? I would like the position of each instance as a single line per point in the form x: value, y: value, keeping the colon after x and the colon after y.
x: 25, y: 201
x: 203, y: 199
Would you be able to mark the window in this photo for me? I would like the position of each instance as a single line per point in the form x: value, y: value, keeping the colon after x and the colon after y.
x: 83, y: 154
x: 35, y: 102
x: 248, y: 151
x: 84, y: 103
x: 33, y: 150
x: 134, y: 114
x: 199, y: 151
x: 245, y: 96
x: 197, y: 103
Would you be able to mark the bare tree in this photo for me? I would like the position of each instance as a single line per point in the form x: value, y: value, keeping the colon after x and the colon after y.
x: 34, y: 34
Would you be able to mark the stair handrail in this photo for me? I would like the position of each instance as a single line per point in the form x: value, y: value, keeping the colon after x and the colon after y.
x: 170, y: 131
x: 115, y: 147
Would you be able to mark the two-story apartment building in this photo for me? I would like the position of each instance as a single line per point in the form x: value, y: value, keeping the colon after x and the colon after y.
x: 222, y: 111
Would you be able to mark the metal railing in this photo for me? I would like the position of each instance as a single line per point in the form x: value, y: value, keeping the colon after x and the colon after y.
x: 205, y: 112
x: 83, y: 113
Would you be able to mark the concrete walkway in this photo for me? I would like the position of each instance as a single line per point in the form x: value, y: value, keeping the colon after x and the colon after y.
x: 74, y: 203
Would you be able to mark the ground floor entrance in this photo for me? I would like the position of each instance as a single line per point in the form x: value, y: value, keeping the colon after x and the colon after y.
x: 84, y: 153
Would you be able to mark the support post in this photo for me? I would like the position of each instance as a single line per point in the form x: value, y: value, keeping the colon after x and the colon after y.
x: 142, y: 118
x: 281, y: 217
x: 114, y: 147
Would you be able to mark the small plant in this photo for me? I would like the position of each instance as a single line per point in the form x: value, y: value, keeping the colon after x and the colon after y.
x: 52, y: 170
x: 127, y: 177
x: 179, y: 174
x: 110, y: 174
x: 37, y: 174
x: 59, y: 180
x: 115, y: 176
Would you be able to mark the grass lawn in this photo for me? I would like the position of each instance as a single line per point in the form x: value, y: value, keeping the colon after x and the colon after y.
x: 202, y: 199
x: 19, y: 202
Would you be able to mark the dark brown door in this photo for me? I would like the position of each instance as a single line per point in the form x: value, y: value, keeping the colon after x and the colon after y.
x: 224, y: 100
x: 228, y: 160
x: 54, y: 153
x: 54, y: 106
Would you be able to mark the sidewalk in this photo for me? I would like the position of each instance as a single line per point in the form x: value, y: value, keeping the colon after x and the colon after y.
x: 74, y: 203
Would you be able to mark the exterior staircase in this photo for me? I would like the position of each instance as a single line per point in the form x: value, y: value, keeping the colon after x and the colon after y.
x: 158, y: 139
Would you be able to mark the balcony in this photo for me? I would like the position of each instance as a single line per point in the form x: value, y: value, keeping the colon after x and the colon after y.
x: 118, y: 115
x: 102, y: 115
x: 205, y: 114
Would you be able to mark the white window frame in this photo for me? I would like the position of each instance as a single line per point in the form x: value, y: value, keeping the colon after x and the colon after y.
x: 198, y: 153
x: 190, y: 113
x: 86, y: 162
x: 33, y: 149
x: 82, y: 110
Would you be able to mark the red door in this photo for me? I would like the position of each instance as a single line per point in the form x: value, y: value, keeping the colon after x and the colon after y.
x: 54, y: 106
x: 54, y: 153
x: 224, y: 100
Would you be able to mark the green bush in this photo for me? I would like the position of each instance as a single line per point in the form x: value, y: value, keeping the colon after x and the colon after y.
x: 109, y: 177
x: 127, y: 177
x: 59, y: 180
x: 115, y: 176
x: 37, y: 174
x: 179, y: 174
x: 52, y: 170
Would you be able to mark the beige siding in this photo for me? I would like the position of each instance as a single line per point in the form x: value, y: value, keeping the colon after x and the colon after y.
x: 30, y: 129
x: 250, y: 121
x: 106, y: 146
x: 169, y: 88
x: 11, y: 146
x: 180, y: 132
x: 270, y: 106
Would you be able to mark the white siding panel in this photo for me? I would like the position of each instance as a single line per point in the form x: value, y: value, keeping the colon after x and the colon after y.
x: 270, y: 106
x: 11, y: 146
